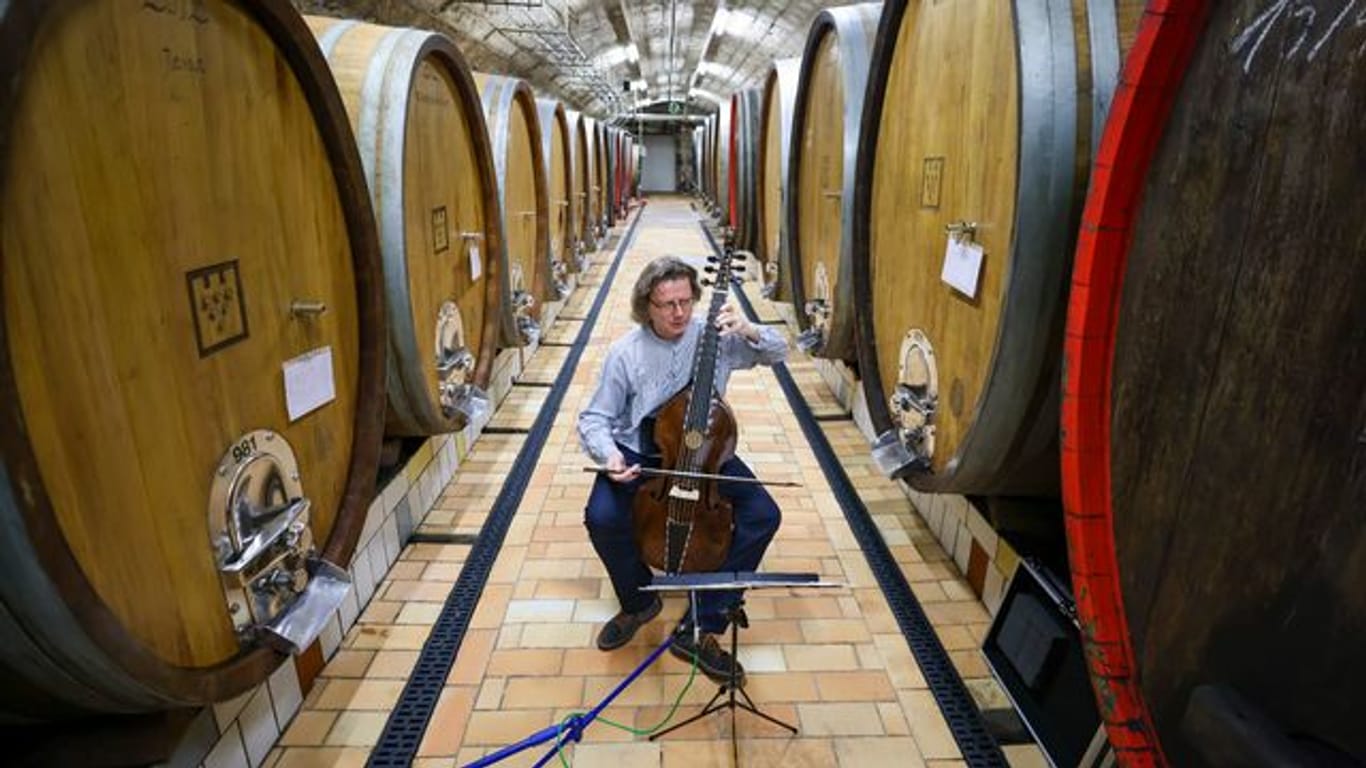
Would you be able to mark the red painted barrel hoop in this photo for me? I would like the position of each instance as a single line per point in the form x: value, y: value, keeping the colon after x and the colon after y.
x: 1143, y: 102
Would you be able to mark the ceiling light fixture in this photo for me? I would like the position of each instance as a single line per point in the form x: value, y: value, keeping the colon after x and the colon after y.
x: 713, y: 69
x: 618, y: 54
x: 737, y: 22
x: 705, y: 94
x: 718, y: 21
x: 611, y: 57
x: 740, y: 23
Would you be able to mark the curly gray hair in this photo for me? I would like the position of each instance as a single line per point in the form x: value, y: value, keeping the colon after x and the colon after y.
x: 658, y: 271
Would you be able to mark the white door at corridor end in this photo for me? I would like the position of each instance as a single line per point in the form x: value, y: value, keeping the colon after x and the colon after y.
x: 658, y: 169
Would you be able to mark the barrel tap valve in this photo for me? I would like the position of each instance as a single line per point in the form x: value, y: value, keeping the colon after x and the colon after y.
x: 560, y: 274
x: 770, y: 288
x: 466, y: 400
x: 818, y: 315
x: 262, y: 545
x: 527, y: 327
x: 581, y: 255
x: 909, y: 445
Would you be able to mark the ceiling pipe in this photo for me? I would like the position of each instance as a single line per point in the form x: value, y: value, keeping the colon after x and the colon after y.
x: 650, y: 117
x: 673, y: 35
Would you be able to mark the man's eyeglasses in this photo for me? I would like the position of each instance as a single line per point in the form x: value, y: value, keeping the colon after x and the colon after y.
x: 676, y: 304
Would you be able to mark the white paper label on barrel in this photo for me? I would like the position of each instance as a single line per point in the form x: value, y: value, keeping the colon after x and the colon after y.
x: 476, y: 266
x: 308, y: 382
x: 962, y: 266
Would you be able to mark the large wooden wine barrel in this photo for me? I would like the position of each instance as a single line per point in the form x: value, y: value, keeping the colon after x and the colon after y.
x: 1214, y: 458
x: 990, y: 153
x: 618, y: 169
x: 623, y: 170
x: 623, y: 154
x: 581, y: 182
x: 713, y: 163
x: 708, y: 162
x: 183, y: 212
x: 608, y: 166
x: 634, y: 147
x: 612, y: 149
x: 721, y: 163
x: 744, y: 158
x: 557, y: 153
x: 826, y: 118
x: 628, y: 165
x: 775, y: 148
x: 628, y: 169
x: 592, y: 206
x: 524, y: 204
x: 709, y: 158
x: 699, y: 143
x: 698, y: 147
x: 603, y: 181
x: 419, y: 125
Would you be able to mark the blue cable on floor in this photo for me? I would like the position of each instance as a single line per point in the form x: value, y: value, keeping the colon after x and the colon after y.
x: 412, y: 713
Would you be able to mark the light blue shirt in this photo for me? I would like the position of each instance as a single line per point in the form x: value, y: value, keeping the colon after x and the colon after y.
x: 641, y: 373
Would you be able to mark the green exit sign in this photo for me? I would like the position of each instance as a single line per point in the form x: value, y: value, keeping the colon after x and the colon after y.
x: 675, y: 108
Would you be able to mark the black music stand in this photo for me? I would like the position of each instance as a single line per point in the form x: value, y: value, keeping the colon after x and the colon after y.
x: 732, y: 581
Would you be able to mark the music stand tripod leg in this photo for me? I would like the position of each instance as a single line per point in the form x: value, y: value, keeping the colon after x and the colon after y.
x: 728, y: 689
x: 738, y: 619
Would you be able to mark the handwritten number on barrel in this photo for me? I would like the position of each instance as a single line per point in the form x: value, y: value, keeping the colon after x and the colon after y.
x: 1299, y: 19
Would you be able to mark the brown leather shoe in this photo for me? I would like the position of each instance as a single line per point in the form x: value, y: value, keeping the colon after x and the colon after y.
x: 619, y: 630
x: 714, y: 662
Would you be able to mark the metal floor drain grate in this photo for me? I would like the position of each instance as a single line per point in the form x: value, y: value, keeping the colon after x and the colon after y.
x: 408, y: 722
x: 438, y: 537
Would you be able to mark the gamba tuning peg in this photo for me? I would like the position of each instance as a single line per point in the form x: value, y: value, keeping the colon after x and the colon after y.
x: 707, y: 283
x: 709, y: 268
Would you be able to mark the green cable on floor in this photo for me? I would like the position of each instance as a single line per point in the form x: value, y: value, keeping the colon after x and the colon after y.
x: 673, y: 710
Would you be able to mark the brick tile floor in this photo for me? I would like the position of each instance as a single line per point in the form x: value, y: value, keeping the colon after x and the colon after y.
x: 832, y: 662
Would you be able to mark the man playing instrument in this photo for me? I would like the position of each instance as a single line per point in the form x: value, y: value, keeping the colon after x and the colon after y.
x: 643, y: 370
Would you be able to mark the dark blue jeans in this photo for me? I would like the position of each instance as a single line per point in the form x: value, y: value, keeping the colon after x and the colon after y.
x: 608, y: 518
